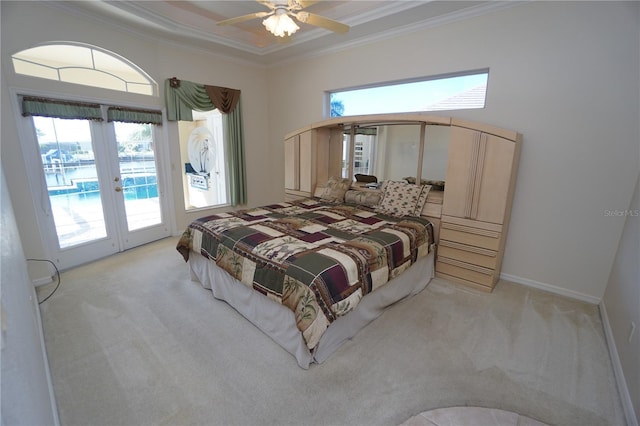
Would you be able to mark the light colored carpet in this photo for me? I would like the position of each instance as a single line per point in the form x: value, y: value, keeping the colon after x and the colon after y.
x: 132, y: 341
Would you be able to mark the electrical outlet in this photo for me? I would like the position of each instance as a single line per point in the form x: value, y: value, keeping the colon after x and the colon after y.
x: 632, y: 329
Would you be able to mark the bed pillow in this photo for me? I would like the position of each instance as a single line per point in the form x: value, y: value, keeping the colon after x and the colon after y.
x: 366, y: 198
x: 422, y: 200
x: 334, y: 189
x: 400, y: 198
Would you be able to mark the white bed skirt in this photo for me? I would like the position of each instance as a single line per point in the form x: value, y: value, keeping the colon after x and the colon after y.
x: 278, y: 321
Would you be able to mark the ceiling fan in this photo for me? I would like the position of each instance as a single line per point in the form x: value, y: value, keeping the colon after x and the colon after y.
x: 279, y: 20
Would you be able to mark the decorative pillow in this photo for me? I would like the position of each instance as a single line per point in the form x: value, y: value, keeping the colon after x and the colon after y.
x: 334, y: 189
x: 403, y: 199
x: 422, y: 199
x: 367, y: 198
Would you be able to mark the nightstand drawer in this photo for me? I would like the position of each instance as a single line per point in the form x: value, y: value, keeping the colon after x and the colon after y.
x: 470, y: 236
x: 468, y: 254
x: 432, y: 209
x: 464, y: 271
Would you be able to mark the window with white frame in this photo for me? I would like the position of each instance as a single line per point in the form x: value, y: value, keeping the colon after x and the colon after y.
x: 83, y: 64
x: 203, y: 154
x: 465, y: 90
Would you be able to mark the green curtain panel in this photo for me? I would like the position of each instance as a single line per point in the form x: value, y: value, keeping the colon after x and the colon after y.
x: 182, y: 97
x: 232, y: 125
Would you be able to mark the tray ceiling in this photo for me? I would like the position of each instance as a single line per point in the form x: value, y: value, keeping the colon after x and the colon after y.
x: 193, y: 23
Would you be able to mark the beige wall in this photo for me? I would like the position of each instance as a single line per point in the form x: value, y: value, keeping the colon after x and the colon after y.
x: 27, y: 391
x: 565, y: 75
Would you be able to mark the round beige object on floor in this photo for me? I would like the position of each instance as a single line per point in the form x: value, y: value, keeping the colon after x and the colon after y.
x: 470, y: 416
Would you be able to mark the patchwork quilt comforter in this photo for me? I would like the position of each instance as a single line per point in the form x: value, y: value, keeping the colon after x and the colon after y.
x: 316, y: 258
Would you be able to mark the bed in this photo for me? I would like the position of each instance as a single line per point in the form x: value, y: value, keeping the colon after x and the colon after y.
x: 311, y: 273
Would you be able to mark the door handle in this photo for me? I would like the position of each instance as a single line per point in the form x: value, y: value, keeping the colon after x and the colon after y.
x: 116, y: 179
x: 118, y: 188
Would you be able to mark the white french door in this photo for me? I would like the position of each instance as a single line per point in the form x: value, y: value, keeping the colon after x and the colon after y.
x: 100, y: 190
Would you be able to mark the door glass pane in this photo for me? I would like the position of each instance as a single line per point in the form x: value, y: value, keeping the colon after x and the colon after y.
x: 138, y: 174
x: 346, y: 154
x: 68, y: 162
x: 363, y: 156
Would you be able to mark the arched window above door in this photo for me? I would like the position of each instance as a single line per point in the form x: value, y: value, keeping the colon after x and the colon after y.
x: 84, y: 64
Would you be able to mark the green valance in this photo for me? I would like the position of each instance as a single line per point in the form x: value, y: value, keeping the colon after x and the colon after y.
x: 183, y: 97
x: 133, y: 115
x: 45, y: 107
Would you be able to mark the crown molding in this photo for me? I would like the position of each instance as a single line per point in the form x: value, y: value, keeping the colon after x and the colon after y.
x: 448, y: 18
x: 143, y: 16
x: 246, y: 54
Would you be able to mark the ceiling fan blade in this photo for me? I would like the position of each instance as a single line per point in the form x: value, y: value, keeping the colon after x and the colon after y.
x: 321, y: 21
x: 244, y: 18
x: 306, y: 3
x: 267, y: 3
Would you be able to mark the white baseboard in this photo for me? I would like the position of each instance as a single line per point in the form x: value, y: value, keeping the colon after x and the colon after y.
x: 551, y: 288
x: 45, y: 358
x: 623, y: 390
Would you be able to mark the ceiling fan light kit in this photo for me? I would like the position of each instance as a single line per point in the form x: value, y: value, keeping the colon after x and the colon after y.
x: 280, y: 24
x: 279, y: 21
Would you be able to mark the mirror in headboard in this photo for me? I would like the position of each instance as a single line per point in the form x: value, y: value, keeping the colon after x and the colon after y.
x: 436, y: 152
x: 397, y: 151
x: 393, y: 151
